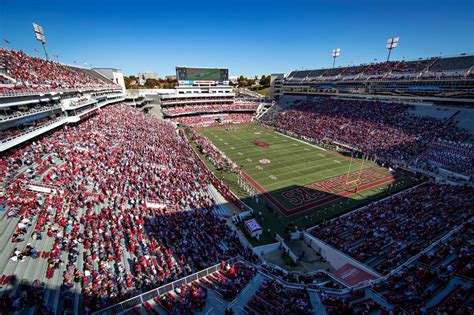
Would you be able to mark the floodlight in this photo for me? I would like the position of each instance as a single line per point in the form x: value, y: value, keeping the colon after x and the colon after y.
x: 391, y: 44
x: 39, y: 34
x: 37, y: 28
x: 336, y: 52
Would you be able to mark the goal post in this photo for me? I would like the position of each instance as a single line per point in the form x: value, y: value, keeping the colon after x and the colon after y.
x: 356, y: 180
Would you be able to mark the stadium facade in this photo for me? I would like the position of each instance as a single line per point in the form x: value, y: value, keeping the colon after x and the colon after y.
x: 441, y: 79
x: 204, y: 97
x: 34, y: 104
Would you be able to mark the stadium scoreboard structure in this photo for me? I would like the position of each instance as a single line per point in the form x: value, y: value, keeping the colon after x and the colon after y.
x: 202, y: 76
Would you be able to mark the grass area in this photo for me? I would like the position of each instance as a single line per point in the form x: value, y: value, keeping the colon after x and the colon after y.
x: 264, y: 92
x: 298, y: 183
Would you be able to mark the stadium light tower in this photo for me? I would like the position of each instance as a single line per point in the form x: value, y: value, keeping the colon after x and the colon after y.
x: 335, y: 53
x: 40, y: 37
x: 391, y: 44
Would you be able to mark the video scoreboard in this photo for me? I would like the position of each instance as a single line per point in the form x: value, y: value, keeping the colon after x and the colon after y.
x: 202, y: 76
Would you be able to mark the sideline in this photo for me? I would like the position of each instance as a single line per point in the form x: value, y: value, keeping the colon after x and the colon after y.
x: 307, y: 143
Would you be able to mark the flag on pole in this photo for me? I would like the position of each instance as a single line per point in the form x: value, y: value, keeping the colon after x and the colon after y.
x: 6, y: 41
x: 36, y: 50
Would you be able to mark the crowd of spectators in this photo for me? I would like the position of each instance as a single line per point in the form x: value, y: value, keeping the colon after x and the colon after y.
x: 356, y: 302
x: 380, y: 68
x: 214, y: 120
x: 315, y: 280
x: 273, y: 298
x: 198, y: 100
x: 450, y: 155
x: 437, y: 282
x: 189, y: 298
x: 106, y: 239
x: 388, y: 233
x: 230, y: 280
x: 412, y: 66
x: 212, y: 153
x: 411, y: 288
x: 33, y: 73
x: 435, y: 68
x: 15, y: 131
x: 9, y: 114
x: 190, y: 109
x: 103, y: 170
x: 454, y: 255
x: 243, y: 106
x: 377, y: 129
x: 184, y: 300
x: 223, y: 189
x: 193, y: 109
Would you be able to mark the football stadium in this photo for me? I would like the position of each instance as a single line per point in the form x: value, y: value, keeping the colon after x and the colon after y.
x: 339, y: 190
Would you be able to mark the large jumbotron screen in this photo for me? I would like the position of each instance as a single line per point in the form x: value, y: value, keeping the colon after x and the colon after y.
x: 195, y: 75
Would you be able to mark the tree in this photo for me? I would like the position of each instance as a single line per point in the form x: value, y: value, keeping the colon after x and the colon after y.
x: 127, y: 82
x: 265, y: 81
x: 152, y: 83
x: 130, y: 81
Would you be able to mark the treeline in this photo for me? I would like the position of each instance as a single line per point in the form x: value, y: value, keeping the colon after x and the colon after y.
x: 132, y: 82
x: 261, y: 83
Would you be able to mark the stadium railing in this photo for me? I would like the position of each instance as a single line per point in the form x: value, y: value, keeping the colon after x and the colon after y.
x: 140, y: 299
x: 12, y: 93
x: 29, y: 113
x: 32, y: 130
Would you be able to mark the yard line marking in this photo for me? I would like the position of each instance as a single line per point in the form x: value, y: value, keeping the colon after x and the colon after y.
x: 284, y: 153
x: 307, y: 143
x: 306, y: 169
x: 338, y: 162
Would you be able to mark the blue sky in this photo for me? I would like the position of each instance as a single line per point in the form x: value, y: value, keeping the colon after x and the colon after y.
x: 248, y: 37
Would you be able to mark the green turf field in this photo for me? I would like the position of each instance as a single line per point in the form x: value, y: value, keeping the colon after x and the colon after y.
x: 295, y: 181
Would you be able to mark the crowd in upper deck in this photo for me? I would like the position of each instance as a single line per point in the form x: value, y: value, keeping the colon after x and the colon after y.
x: 33, y: 73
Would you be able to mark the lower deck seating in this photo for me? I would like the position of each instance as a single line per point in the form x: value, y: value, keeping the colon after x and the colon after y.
x: 274, y: 298
x: 75, y: 213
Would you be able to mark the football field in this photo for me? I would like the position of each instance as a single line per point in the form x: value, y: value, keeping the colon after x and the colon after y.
x: 296, y: 177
